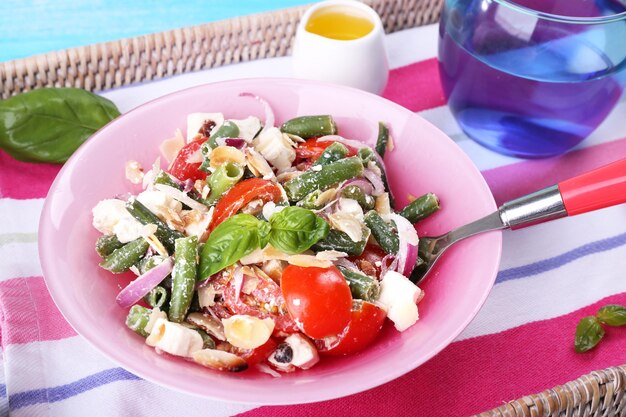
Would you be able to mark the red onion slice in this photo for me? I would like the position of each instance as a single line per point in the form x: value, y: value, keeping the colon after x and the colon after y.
x: 407, y: 252
x: 143, y: 284
x: 238, y: 143
x: 346, y: 263
x: 393, y: 265
x: 269, y: 113
x: 365, y: 186
x: 377, y: 182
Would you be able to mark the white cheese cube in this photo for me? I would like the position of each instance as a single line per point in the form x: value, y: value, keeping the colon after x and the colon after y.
x: 174, y: 338
x: 398, y: 296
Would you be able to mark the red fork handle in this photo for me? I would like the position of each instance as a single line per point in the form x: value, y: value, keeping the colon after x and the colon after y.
x: 597, y: 189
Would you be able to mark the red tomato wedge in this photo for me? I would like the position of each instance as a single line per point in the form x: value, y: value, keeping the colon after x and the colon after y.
x: 365, y: 324
x: 318, y: 299
x: 241, y: 194
x: 184, y: 170
x: 312, y: 149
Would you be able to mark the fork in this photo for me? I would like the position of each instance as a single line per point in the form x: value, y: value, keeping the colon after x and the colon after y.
x: 594, y: 190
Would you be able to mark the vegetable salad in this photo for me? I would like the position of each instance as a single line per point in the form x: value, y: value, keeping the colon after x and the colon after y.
x: 263, y: 246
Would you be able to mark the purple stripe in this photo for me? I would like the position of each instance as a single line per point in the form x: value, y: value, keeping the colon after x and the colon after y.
x: 560, y: 260
x: 62, y: 392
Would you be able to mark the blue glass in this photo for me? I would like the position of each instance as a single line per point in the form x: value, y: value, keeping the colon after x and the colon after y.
x: 533, y: 78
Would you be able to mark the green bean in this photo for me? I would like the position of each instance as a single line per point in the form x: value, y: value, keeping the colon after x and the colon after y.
x: 157, y: 297
x: 207, y: 341
x: 362, y: 287
x: 137, y: 319
x: 105, y: 245
x: 340, y: 241
x: 310, y: 201
x: 334, y: 152
x: 366, y: 201
x: 149, y: 262
x: 123, y: 258
x: 224, y: 177
x: 183, y: 277
x: 383, y: 233
x: 309, y: 126
x: 166, y: 179
x: 366, y: 155
x: 420, y: 208
x: 228, y: 129
x: 383, y: 138
x: 333, y: 173
x: 165, y: 235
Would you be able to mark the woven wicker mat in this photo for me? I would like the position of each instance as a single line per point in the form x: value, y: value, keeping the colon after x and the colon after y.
x: 134, y: 60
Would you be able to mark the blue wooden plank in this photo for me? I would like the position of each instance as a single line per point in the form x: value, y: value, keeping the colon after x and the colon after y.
x: 29, y: 27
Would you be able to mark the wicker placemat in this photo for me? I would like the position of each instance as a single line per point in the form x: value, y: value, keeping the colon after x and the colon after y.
x: 114, y: 64
x: 600, y: 393
x: 134, y: 60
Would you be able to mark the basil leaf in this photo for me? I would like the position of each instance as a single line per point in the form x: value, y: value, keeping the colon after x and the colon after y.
x: 296, y: 229
x: 589, y: 332
x: 48, y: 124
x: 233, y: 239
x: 612, y: 314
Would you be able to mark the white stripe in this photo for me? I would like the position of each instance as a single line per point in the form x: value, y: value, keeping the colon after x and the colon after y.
x: 20, y: 216
x: 67, y: 360
x: 141, y: 399
x: 54, y: 363
x: 551, y: 294
x: 19, y: 260
x: 412, y: 45
x: 543, y: 241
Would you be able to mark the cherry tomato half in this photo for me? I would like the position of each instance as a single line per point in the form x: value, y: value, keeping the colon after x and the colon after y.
x: 184, y: 170
x: 259, y: 354
x: 370, y: 261
x: 365, y: 324
x: 312, y: 149
x: 318, y: 299
x: 266, y: 294
x: 241, y: 194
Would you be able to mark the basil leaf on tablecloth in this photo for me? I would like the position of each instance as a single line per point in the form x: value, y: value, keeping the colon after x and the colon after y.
x: 612, y: 314
x: 589, y: 332
x: 49, y: 124
x: 233, y: 239
x: 296, y: 229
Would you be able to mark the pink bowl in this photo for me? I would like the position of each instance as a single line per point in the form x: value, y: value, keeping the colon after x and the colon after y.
x: 424, y: 159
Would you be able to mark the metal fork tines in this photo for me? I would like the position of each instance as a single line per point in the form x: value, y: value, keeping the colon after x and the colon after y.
x: 430, y: 248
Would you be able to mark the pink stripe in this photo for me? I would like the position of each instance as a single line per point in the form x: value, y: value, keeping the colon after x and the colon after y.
x: 23, y: 180
x: 416, y: 86
x: 478, y: 374
x: 512, y: 181
x: 28, y: 314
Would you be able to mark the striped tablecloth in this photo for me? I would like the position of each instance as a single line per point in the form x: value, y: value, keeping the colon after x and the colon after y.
x: 521, y: 341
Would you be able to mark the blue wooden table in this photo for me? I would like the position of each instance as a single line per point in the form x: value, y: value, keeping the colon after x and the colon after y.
x: 30, y: 27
